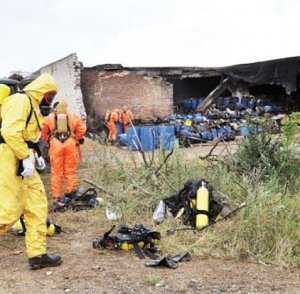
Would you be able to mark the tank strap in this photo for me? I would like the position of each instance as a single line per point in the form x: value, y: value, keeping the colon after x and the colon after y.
x: 200, y: 211
x: 30, y: 114
x: 62, y: 137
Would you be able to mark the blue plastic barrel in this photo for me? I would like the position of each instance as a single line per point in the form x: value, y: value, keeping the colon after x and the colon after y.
x: 199, y: 118
x: 166, y: 135
x: 123, y: 141
x: 214, y: 132
x: 194, y: 104
x: 244, y: 130
x: 119, y: 127
x: 148, y: 137
x: 221, y: 133
x: 133, y: 138
x: 207, y: 135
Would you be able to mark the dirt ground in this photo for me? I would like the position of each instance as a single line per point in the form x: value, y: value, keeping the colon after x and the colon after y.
x: 86, y: 270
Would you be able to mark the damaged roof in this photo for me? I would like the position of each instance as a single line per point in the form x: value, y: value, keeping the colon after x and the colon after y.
x: 283, y: 72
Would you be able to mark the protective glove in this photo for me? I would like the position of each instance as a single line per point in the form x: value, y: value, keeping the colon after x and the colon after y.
x: 40, y: 163
x: 28, y: 166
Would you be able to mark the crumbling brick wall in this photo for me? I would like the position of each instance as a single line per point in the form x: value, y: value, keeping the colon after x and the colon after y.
x: 67, y: 73
x: 149, y: 98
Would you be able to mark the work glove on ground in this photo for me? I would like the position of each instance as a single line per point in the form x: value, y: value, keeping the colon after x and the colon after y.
x: 28, y: 166
x: 40, y: 163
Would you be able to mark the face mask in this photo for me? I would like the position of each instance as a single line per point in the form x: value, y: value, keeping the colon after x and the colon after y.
x: 46, y: 102
x: 45, y: 110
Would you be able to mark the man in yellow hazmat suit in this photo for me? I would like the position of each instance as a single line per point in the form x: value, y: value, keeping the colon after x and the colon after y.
x: 21, y: 188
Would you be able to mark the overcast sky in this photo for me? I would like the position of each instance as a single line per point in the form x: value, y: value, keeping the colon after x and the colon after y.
x: 147, y: 32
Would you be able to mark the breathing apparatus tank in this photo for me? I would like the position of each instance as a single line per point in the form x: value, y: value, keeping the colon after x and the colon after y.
x: 4, y: 92
x: 52, y: 229
x: 128, y: 246
x: 202, y: 206
x: 62, y: 118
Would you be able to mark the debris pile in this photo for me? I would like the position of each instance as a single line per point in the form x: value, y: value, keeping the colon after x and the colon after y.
x: 225, y: 120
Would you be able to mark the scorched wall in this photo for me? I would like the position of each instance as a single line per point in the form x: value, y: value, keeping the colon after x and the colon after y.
x: 148, y: 97
x: 66, y: 73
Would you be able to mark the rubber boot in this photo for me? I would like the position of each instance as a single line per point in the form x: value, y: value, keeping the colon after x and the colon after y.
x: 43, y: 261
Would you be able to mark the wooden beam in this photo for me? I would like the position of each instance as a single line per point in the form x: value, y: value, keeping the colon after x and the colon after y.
x: 213, y: 95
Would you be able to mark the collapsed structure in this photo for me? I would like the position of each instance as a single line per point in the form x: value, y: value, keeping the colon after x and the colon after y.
x: 154, y: 93
x: 157, y: 92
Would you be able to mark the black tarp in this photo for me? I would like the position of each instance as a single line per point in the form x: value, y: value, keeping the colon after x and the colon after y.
x: 284, y: 72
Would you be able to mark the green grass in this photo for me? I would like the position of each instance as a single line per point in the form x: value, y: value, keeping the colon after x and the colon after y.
x: 268, y: 229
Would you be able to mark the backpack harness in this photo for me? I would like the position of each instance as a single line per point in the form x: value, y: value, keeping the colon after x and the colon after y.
x: 139, y: 238
x: 61, y: 136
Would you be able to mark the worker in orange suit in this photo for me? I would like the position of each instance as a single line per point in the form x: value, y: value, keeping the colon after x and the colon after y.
x: 63, y: 131
x: 112, y: 118
x: 126, y: 118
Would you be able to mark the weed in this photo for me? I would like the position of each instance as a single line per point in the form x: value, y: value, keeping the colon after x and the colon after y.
x: 152, y: 280
x: 264, y: 173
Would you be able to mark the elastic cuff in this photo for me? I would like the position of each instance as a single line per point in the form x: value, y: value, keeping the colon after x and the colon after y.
x: 36, y: 253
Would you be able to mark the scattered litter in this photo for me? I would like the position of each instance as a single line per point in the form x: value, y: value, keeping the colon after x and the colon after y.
x: 18, y: 252
x: 169, y: 261
x: 161, y: 212
x: 112, y: 214
x: 83, y: 200
x: 160, y: 284
x: 48, y: 273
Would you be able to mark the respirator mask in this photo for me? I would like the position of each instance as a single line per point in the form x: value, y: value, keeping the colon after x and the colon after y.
x: 45, y: 107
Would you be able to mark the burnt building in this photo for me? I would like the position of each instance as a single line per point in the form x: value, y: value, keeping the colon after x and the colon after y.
x: 153, y: 93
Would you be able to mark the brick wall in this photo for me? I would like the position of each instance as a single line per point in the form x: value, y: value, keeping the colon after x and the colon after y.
x: 67, y: 73
x: 148, y: 97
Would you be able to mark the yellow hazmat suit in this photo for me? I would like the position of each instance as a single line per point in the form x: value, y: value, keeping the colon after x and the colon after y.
x: 4, y: 92
x: 23, y: 195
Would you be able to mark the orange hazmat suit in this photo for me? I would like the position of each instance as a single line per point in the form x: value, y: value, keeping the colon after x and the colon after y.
x: 111, y: 119
x: 64, y: 153
x: 126, y: 119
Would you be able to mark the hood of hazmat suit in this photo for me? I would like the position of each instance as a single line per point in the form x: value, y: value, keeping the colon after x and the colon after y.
x: 40, y: 86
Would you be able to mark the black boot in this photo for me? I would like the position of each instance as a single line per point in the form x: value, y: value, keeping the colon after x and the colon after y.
x: 44, y: 260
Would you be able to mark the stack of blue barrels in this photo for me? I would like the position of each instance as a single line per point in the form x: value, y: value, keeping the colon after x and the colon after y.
x: 133, y: 139
x: 148, y: 138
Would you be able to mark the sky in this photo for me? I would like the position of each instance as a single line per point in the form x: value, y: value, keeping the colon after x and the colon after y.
x: 147, y: 32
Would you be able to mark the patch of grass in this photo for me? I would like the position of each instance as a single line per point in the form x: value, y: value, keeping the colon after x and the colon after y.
x: 267, y: 229
x: 152, y: 280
